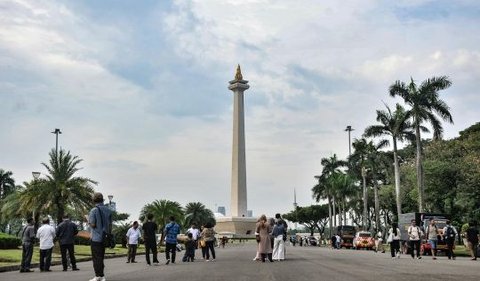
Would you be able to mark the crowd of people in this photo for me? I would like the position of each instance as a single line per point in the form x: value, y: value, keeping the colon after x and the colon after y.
x: 271, y: 235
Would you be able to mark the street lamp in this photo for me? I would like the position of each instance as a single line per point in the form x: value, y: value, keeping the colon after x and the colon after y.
x: 36, y: 175
x: 110, y: 197
x: 349, y: 129
x: 56, y: 132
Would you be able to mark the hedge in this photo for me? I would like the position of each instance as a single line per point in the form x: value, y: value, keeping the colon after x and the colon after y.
x: 9, y: 241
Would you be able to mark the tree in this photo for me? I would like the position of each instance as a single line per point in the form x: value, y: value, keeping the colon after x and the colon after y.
x: 7, y: 183
x: 313, y: 217
x: 425, y: 105
x: 196, y: 212
x: 62, y: 189
x: 359, y: 157
x: 161, y: 211
x: 398, y: 126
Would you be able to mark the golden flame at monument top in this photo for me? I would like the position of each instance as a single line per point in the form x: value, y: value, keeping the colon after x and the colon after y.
x: 238, y: 75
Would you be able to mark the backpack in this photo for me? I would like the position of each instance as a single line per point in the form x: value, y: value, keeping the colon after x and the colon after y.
x: 449, y: 234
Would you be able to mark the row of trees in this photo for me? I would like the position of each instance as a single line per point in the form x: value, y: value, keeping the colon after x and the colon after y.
x: 60, y: 191
x: 427, y: 175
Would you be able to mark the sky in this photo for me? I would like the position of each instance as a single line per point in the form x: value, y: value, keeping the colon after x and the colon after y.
x: 139, y: 88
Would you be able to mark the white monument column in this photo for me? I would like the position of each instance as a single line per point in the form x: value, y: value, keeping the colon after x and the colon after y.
x: 239, y: 173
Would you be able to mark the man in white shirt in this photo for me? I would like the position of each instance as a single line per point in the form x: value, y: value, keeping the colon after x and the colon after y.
x: 133, y: 235
x: 195, y: 233
x: 415, y: 234
x: 46, y: 234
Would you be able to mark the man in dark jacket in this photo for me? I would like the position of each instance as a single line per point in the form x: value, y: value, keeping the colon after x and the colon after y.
x: 66, y: 232
x: 150, y: 238
x: 28, y: 240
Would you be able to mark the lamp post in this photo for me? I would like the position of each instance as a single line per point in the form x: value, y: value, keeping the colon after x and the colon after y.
x: 349, y: 129
x: 56, y: 132
x: 36, y: 175
x: 111, y: 205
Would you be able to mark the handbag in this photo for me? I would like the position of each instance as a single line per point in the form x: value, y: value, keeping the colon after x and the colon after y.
x: 257, y: 237
x: 107, y: 237
x: 203, y: 243
x: 390, y: 238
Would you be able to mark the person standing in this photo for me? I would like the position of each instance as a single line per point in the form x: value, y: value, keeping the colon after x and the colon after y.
x: 379, y: 242
x: 394, y: 240
x: 264, y: 247
x: 208, y: 234
x: 133, y: 235
x: 414, y: 235
x: 28, y: 240
x: 172, y: 229
x: 432, y: 233
x: 100, y: 221
x: 278, y: 246
x: 195, y: 234
x: 150, y: 238
x: 66, y: 232
x: 46, y: 234
x: 449, y: 233
x: 472, y: 240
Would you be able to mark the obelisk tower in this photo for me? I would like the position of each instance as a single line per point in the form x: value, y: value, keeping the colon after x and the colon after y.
x: 239, y: 173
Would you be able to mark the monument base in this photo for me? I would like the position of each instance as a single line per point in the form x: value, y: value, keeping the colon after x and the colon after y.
x: 236, y: 226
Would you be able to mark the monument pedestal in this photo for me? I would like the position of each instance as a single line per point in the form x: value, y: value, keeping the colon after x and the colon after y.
x: 241, y: 227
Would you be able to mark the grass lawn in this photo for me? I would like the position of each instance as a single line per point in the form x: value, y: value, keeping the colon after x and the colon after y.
x: 14, y: 256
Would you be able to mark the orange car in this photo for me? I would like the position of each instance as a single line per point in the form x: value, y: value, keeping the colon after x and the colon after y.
x: 364, y: 240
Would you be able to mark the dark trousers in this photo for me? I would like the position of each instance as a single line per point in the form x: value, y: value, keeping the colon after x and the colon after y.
x: 71, y: 255
x: 45, y: 259
x: 394, y: 247
x: 132, y: 252
x: 170, y: 249
x: 204, y: 251
x: 151, y: 246
x: 210, y: 246
x: 98, y: 255
x: 415, y: 245
x: 450, y: 253
x: 27, y: 253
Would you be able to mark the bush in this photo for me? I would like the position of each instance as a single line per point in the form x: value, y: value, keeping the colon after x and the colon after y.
x: 9, y: 241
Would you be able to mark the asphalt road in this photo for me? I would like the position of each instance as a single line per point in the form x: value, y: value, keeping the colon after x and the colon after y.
x: 302, y: 263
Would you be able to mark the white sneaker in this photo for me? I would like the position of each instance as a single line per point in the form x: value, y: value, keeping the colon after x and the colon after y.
x: 95, y: 279
x: 102, y: 279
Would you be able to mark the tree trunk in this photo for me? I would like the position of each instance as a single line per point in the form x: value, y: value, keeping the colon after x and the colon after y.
x: 365, y: 198
x: 334, y: 212
x: 419, y: 167
x: 396, y: 167
x: 329, y: 215
x: 377, y: 204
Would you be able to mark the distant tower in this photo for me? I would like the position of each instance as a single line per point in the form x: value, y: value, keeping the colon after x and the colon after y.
x: 295, y: 205
x: 239, y: 174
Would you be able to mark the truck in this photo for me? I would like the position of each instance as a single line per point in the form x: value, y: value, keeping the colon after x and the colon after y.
x: 423, y: 220
x: 347, y: 233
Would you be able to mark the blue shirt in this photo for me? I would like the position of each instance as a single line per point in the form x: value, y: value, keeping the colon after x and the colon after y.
x: 94, y: 218
x: 171, y: 231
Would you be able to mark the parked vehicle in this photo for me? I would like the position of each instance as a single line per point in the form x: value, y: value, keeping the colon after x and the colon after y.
x: 347, y: 234
x: 364, y: 240
x: 312, y: 241
x: 423, y: 220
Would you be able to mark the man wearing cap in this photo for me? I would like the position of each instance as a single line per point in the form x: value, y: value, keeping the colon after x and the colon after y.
x: 100, y: 221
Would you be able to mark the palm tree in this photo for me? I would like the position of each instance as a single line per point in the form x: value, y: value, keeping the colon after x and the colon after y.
x: 61, y: 189
x: 196, y: 212
x: 396, y: 125
x: 7, y: 183
x: 426, y: 104
x: 359, y: 156
x: 161, y: 211
x: 324, y: 189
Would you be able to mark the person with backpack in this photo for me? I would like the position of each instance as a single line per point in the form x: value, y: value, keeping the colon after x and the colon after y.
x: 414, y: 235
x: 449, y: 233
x: 432, y: 233
x: 472, y: 239
x: 100, y: 221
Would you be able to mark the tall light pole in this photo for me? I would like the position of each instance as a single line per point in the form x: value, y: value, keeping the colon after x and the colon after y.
x: 56, y: 132
x: 349, y: 129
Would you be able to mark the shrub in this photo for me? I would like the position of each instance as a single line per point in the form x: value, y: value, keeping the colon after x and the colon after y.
x: 9, y: 241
